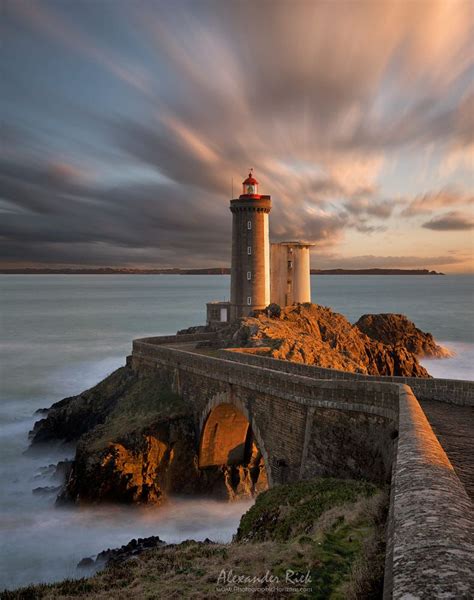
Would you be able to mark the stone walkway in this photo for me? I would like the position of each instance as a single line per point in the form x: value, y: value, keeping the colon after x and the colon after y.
x: 452, y: 424
x: 454, y: 427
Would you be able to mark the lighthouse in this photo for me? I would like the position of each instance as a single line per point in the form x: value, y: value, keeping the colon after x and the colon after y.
x: 254, y: 282
x: 250, y: 268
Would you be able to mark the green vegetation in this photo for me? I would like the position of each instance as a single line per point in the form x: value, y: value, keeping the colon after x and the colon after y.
x: 288, y: 510
x: 142, y: 404
x: 332, y: 528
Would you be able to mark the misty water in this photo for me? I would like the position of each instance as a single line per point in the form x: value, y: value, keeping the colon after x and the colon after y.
x: 62, y: 334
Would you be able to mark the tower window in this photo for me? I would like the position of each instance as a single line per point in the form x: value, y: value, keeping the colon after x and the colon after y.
x: 290, y: 264
x: 249, y: 300
x: 249, y: 224
x: 249, y: 275
x: 249, y: 250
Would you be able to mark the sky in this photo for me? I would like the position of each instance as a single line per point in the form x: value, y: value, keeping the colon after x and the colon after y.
x: 125, y: 125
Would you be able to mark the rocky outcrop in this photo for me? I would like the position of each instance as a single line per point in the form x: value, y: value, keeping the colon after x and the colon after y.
x: 315, y: 335
x: 246, y: 480
x: 142, y: 466
x: 126, y: 552
x: 71, y: 417
x: 329, y: 536
x: 136, y: 443
x: 396, y: 330
x: 136, y: 439
x: 148, y: 467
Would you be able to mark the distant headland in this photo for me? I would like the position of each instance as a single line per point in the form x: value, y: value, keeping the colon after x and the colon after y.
x: 210, y: 271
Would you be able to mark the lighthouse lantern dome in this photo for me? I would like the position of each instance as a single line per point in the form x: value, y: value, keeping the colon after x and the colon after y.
x: 250, y: 185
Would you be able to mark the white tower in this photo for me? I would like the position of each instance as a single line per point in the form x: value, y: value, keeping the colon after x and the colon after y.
x: 290, y: 273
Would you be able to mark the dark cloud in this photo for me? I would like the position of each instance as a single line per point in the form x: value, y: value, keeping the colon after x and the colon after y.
x: 127, y: 126
x: 452, y: 221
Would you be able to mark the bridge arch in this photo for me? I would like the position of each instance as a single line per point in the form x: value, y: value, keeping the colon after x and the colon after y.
x: 228, y: 433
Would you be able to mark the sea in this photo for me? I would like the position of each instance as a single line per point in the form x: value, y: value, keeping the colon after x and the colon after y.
x: 61, y: 334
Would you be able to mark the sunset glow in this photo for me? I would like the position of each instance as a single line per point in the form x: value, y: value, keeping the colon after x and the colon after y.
x: 125, y: 123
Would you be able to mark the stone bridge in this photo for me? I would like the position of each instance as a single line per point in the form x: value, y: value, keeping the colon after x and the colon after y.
x: 308, y: 421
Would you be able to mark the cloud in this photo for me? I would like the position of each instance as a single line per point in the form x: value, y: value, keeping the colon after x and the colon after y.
x: 315, y: 96
x: 426, y: 203
x: 367, y: 261
x: 452, y: 221
x: 381, y: 209
x: 52, y: 25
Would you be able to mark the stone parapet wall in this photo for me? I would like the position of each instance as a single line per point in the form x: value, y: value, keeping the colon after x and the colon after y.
x: 453, y: 391
x: 430, y: 550
x: 374, y: 397
x: 178, y: 338
x: 312, y: 421
x: 308, y: 427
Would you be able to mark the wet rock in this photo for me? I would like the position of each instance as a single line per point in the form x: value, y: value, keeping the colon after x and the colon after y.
x: 71, y: 417
x: 193, y: 329
x: 41, y: 411
x: 46, y: 471
x: 62, y: 470
x: 248, y: 479
x: 86, y: 563
x: 130, y: 550
x: 45, y: 490
x: 142, y: 467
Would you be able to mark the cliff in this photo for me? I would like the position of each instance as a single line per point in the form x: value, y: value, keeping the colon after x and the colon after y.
x: 397, y: 330
x: 136, y: 439
x: 321, y: 538
x: 136, y: 443
x: 315, y: 335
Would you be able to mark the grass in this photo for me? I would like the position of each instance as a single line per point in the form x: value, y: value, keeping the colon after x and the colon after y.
x: 287, y: 510
x: 142, y: 404
x: 333, y: 528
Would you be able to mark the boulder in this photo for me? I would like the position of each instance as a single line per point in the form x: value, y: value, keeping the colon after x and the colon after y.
x: 397, y: 330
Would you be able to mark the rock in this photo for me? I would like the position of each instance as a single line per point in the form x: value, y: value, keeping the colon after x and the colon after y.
x: 140, y: 447
x: 62, y: 470
x: 315, y: 335
x: 141, y: 457
x: 395, y: 330
x: 46, y: 471
x: 273, y: 311
x: 44, y: 490
x: 128, y: 551
x: 193, y: 329
x: 136, y: 438
x: 141, y: 467
x: 71, y: 417
x: 246, y: 480
x: 41, y: 411
x: 86, y: 563
x: 148, y: 466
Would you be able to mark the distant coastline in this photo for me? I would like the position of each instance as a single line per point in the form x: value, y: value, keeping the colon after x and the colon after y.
x: 211, y: 271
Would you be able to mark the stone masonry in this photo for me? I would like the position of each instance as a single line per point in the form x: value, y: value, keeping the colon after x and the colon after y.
x: 307, y: 423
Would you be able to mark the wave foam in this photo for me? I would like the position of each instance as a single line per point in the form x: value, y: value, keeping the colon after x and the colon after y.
x: 460, y: 365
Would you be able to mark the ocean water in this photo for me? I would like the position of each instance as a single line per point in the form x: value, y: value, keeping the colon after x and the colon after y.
x: 62, y: 334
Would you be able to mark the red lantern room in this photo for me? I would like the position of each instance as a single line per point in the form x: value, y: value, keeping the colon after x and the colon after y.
x: 250, y: 185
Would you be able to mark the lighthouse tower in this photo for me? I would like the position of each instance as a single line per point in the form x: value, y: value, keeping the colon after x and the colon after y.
x: 250, y: 270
